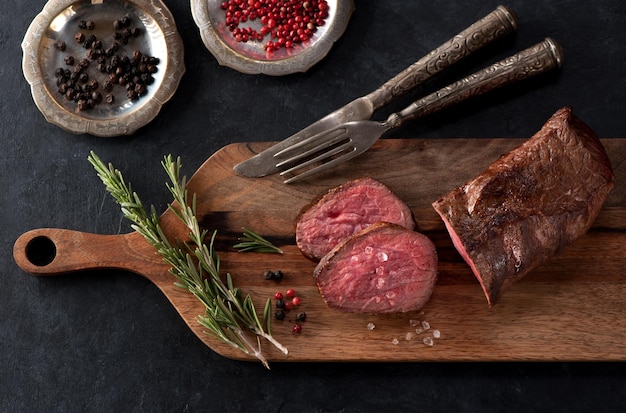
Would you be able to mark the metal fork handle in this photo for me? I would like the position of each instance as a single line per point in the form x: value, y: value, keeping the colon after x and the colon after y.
x: 495, y: 25
x: 537, y: 59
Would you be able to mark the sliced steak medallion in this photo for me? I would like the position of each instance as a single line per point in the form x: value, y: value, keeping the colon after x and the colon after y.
x: 344, y: 211
x: 384, y: 268
x: 529, y: 204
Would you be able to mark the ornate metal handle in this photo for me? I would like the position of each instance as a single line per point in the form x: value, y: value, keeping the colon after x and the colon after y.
x: 537, y: 59
x: 496, y: 24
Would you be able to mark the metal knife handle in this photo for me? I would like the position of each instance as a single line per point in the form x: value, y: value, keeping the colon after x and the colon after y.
x: 537, y: 59
x: 496, y: 24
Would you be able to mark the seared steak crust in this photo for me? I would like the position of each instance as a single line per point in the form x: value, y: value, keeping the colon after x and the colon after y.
x: 384, y: 268
x: 529, y: 204
x: 345, y: 210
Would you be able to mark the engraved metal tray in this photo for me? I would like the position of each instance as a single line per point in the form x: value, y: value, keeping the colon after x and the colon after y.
x: 250, y: 57
x: 59, y: 22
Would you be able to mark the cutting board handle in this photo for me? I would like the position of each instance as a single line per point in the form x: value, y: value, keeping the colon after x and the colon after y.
x: 52, y: 251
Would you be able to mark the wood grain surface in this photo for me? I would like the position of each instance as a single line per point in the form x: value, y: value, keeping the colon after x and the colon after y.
x: 572, y: 308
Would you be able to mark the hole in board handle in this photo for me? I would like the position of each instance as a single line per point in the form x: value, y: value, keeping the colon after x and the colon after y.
x: 41, y: 251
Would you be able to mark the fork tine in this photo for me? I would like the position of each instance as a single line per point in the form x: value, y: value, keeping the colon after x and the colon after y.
x: 321, y: 141
x: 322, y: 167
x: 334, y: 151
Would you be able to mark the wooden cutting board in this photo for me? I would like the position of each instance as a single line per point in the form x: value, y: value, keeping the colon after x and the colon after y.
x: 572, y: 308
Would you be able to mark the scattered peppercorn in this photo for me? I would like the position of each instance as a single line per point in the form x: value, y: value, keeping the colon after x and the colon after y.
x: 280, y: 315
x: 295, y: 301
x: 267, y: 274
x: 301, y: 317
x: 60, y: 45
x: 297, y: 329
x: 278, y: 295
x: 280, y: 303
x: 290, y: 293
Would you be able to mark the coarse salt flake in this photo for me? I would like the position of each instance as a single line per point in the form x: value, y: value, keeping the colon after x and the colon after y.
x: 371, y: 326
x: 436, y: 333
x: 395, y: 341
x: 414, y: 323
x: 409, y: 336
x: 426, y: 325
x: 428, y: 341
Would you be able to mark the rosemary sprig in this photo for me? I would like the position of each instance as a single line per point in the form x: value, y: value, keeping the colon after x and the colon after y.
x: 251, y: 241
x: 229, y: 316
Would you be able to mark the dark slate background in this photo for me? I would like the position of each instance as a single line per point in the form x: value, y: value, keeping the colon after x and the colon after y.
x: 110, y: 341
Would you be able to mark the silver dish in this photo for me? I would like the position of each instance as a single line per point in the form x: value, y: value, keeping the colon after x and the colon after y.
x: 250, y: 57
x: 59, y: 21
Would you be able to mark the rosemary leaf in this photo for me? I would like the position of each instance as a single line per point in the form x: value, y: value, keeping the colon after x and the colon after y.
x: 251, y: 241
x: 228, y: 315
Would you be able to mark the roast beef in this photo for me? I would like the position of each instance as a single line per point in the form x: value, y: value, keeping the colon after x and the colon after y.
x: 384, y: 268
x: 529, y: 204
x: 345, y: 210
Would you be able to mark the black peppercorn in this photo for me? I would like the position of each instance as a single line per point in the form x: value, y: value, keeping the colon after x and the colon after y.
x: 69, y: 60
x: 132, y: 95
x: 90, y: 25
x: 82, y: 24
x: 280, y: 303
x: 110, y: 99
x: 280, y: 315
x: 107, y: 86
x: 140, y: 89
x: 278, y: 275
x: 60, y: 45
x: 301, y: 317
x: 69, y: 94
x: 79, y: 37
x: 147, y: 79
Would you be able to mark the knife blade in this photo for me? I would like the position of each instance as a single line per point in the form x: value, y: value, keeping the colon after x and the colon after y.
x: 493, y: 26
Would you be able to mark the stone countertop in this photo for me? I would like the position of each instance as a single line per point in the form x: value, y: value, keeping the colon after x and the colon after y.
x: 110, y: 341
